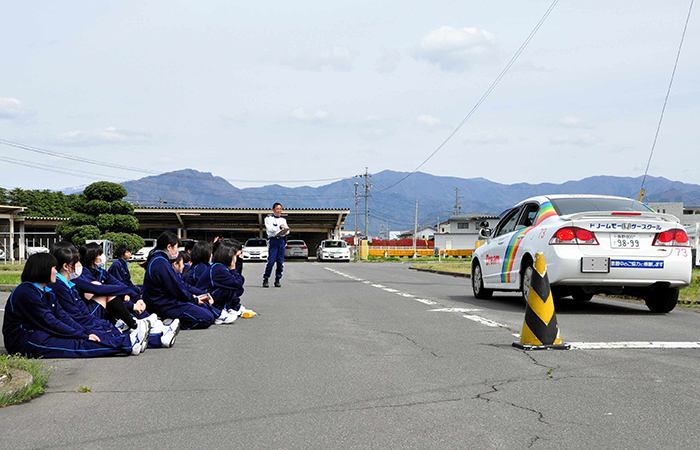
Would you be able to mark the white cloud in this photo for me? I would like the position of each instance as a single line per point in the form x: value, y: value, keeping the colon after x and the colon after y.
x: 570, y: 122
x: 582, y: 140
x: 300, y: 114
x: 107, y: 136
x: 456, y: 49
x: 338, y: 59
x: 388, y: 62
x: 429, y: 122
x: 10, y: 108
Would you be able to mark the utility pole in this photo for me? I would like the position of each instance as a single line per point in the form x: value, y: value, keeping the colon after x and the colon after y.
x: 458, y: 208
x: 355, y: 238
x: 161, y: 202
x: 366, y: 185
x: 415, y: 230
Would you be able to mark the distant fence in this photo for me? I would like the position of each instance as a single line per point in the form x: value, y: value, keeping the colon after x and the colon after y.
x: 403, y: 251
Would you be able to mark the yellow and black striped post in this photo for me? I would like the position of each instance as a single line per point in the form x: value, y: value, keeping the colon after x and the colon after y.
x: 540, y: 330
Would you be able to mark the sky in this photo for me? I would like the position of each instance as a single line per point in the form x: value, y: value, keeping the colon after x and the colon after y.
x: 305, y: 92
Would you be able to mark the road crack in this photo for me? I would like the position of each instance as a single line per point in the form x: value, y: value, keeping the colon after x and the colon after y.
x: 413, y: 341
x: 495, y: 389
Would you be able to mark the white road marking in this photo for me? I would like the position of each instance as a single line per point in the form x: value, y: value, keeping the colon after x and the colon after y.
x: 459, y: 310
x: 406, y: 295
x: 484, y: 321
x: 632, y: 344
x: 381, y: 286
x: 390, y: 290
x: 426, y: 301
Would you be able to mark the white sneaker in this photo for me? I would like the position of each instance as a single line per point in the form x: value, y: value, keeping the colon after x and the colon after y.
x: 139, y: 337
x: 168, y: 337
x: 152, y: 319
x: 227, y: 318
x: 159, y: 327
x: 121, y: 326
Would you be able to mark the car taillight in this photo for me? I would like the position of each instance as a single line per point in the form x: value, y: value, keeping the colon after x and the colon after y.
x: 671, y: 238
x: 287, y: 247
x: 304, y: 247
x: 573, y: 235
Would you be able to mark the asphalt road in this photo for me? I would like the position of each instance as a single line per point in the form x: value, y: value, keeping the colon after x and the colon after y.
x: 378, y: 356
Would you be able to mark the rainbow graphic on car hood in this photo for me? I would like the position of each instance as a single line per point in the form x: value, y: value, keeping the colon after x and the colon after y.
x: 546, y: 211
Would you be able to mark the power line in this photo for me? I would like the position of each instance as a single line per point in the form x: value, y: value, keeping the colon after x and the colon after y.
x: 486, y: 94
x: 668, y: 92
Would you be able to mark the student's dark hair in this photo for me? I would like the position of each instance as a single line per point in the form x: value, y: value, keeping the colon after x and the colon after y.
x: 201, y: 253
x: 88, y: 255
x: 166, y: 238
x: 225, y: 252
x: 275, y: 205
x: 119, y: 252
x: 65, y: 253
x: 189, y: 245
x: 38, y: 268
x: 186, y: 258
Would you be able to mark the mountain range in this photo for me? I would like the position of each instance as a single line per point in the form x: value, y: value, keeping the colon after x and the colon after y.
x: 392, y: 201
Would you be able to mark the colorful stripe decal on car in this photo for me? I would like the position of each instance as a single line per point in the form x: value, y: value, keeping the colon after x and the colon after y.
x: 546, y: 211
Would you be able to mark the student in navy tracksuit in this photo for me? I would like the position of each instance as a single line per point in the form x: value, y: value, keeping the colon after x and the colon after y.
x: 200, y: 264
x: 35, y: 324
x: 104, y: 295
x: 68, y: 267
x: 164, y: 292
x: 277, y: 229
x: 120, y: 268
x: 223, y: 282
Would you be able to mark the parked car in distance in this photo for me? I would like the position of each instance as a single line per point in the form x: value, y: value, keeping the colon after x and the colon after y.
x: 296, y: 249
x: 29, y: 251
x: 591, y: 244
x: 333, y: 250
x: 142, y: 255
x: 255, y: 250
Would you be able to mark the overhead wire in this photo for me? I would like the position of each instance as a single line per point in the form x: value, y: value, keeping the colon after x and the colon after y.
x: 485, y: 95
x: 668, y: 92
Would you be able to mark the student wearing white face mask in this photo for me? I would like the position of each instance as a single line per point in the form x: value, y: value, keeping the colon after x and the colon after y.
x: 104, y: 295
x: 68, y: 269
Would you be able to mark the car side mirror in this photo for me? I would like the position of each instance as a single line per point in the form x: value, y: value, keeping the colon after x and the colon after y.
x: 484, y: 224
x: 485, y: 233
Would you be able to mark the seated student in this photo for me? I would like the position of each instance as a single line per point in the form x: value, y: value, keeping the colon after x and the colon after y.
x: 104, y: 295
x: 105, y: 301
x: 120, y: 268
x: 224, y: 283
x: 35, y: 324
x: 208, y: 302
x: 201, y: 261
x: 68, y: 267
x: 186, y: 259
x: 164, y: 293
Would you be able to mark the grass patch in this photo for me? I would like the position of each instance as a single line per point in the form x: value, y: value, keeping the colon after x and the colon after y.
x: 83, y: 390
x: 35, y: 367
x: 446, y: 266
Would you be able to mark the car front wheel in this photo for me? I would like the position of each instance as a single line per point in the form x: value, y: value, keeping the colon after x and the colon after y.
x: 662, y: 301
x: 478, y: 283
x: 525, y: 281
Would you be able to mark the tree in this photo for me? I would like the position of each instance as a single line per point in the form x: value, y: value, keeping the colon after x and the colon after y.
x: 100, y: 213
x: 39, y: 203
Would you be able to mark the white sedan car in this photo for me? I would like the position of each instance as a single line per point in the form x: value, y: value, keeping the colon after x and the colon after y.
x: 591, y: 244
x: 296, y: 249
x: 142, y: 254
x: 255, y: 250
x: 334, y: 250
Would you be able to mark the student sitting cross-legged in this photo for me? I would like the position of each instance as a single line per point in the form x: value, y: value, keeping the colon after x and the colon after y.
x: 35, y: 324
x: 120, y: 268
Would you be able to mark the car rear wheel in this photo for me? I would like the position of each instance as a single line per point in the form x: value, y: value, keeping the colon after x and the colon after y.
x: 525, y: 281
x: 662, y: 301
x: 581, y: 296
x: 478, y: 283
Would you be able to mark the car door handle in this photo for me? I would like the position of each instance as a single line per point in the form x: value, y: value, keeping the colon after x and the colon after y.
x: 520, y: 237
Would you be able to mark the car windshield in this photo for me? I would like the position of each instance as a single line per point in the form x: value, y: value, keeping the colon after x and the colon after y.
x: 149, y: 242
x: 335, y: 244
x: 565, y: 206
x: 296, y: 243
x: 256, y: 243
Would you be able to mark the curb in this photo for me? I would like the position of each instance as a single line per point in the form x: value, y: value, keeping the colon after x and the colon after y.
x: 19, y: 379
x: 7, y: 287
x: 442, y: 272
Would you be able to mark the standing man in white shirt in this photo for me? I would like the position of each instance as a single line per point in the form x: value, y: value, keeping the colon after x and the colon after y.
x: 277, y: 229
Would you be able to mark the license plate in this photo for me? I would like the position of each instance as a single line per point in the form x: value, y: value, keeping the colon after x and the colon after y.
x: 624, y: 241
x: 595, y: 264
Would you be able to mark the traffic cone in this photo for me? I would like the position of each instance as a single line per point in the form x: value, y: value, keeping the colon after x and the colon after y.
x: 540, y: 330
